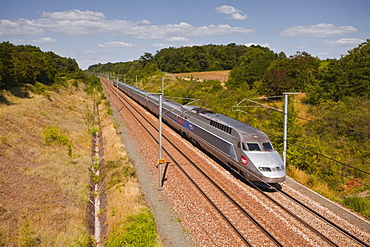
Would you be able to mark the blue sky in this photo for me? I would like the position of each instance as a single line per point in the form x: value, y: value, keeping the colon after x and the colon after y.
x: 120, y: 30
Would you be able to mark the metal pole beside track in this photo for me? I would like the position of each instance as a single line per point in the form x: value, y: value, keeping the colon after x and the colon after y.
x: 160, y: 160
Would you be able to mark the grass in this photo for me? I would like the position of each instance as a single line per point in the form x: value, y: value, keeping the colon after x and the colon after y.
x: 44, y: 181
x: 45, y: 156
x: 137, y: 230
x: 128, y: 219
x: 359, y: 204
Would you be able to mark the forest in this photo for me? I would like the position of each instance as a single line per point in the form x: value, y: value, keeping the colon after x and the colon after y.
x: 329, y: 121
x: 25, y: 65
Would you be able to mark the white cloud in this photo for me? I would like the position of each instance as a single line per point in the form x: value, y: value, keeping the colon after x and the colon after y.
x: 237, y: 16
x: 145, y: 22
x: 226, y: 9
x: 343, y: 42
x: 177, y: 39
x: 322, y: 30
x: 74, y: 14
x: 233, y: 12
x: 89, y: 23
x: 115, y: 44
x: 22, y: 26
x: 44, y: 40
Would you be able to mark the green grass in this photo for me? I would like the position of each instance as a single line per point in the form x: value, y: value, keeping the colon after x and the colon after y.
x: 359, y: 204
x: 137, y: 230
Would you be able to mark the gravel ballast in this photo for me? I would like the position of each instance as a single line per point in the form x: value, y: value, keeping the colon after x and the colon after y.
x: 169, y: 225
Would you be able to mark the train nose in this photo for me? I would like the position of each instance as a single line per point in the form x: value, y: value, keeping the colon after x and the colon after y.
x: 269, y: 165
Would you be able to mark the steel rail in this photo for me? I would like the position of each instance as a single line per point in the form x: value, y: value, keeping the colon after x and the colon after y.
x: 209, y: 179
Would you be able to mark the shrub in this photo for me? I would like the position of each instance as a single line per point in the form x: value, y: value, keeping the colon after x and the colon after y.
x: 359, y: 204
x: 52, y: 136
x: 138, y: 230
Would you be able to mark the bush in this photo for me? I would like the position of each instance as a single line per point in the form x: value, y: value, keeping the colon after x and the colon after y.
x: 137, y: 230
x: 359, y: 204
x: 52, y: 136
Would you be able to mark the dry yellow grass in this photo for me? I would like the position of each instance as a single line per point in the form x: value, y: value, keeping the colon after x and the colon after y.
x: 124, y: 197
x: 43, y: 190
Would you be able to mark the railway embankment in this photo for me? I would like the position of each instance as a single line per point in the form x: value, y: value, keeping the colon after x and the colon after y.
x: 44, y: 160
x: 45, y: 172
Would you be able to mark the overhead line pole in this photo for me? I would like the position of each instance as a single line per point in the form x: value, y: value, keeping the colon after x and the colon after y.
x: 276, y: 109
x: 160, y: 160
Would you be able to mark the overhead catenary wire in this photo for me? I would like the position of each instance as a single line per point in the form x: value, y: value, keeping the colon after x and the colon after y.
x: 324, y: 156
x: 340, y: 174
x: 278, y: 110
x: 335, y: 113
x: 333, y: 127
x: 308, y: 120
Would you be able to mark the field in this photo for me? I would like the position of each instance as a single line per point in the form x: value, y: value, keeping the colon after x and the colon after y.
x: 207, y: 75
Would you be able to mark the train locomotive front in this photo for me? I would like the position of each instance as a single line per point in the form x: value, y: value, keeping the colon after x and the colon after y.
x: 243, y: 148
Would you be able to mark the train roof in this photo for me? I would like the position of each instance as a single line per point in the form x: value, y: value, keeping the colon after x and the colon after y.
x: 242, y: 128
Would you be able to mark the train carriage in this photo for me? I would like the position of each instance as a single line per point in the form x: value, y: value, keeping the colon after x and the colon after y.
x: 243, y: 148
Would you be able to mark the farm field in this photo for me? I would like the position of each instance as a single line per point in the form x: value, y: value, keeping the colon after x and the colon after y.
x: 207, y: 75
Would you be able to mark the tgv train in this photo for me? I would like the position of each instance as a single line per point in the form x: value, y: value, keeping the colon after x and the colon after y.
x: 243, y: 148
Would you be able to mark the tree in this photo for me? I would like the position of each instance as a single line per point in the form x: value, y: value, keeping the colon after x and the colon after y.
x: 6, y: 66
x: 275, y: 82
x: 25, y: 67
x: 348, y: 76
x: 300, y: 68
x: 253, y: 64
x: 354, y: 76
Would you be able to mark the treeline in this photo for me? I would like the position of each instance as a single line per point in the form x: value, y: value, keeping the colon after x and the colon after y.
x: 200, y: 58
x: 26, y: 64
x: 142, y: 68
x: 259, y: 68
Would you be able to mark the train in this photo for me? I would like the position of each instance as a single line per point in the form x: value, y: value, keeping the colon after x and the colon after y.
x: 244, y: 149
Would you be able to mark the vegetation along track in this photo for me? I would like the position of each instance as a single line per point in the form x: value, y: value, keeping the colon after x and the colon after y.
x: 236, y: 213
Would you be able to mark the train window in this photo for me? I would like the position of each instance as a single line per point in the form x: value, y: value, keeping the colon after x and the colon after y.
x: 267, y: 146
x: 244, y: 146
x: 253, y: 147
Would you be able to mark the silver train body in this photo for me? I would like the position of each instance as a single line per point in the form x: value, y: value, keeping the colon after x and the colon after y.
x: 243, y: 148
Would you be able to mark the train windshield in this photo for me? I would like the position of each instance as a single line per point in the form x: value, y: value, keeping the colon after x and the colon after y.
x: 267, y: 146
x: 253, y: 147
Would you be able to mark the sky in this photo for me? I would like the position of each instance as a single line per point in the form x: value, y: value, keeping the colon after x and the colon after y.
x: 95, y: 32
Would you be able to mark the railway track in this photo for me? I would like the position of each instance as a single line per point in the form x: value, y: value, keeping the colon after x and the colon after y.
x: 250, y: 226
x: 241, y: 222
